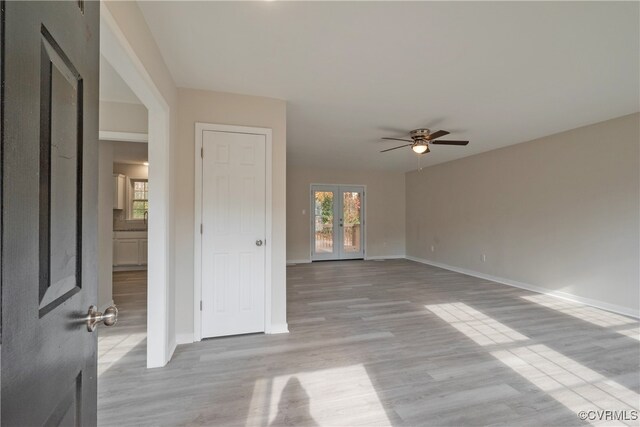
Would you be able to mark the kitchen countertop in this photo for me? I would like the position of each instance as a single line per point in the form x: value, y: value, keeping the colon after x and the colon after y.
x: 130, y: 234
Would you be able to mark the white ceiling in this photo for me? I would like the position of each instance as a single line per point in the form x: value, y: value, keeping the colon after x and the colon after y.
x: 352, y: 72
x: 112, y: 87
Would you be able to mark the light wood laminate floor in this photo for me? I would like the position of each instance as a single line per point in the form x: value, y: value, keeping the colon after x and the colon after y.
x: 380, y: 343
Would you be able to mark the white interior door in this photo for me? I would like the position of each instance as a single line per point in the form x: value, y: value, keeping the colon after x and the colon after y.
x: 233, y: 233
x: 337, y: 222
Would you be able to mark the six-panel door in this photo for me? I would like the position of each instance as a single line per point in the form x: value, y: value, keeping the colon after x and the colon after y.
x: 49, y: 217
x: 233, y: 233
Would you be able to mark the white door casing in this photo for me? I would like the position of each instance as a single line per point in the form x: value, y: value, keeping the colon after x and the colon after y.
x: 232, y: 288
x: 115, y: 47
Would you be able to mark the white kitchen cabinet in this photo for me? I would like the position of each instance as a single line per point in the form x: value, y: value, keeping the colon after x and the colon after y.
x: 129, y: 248
x: 119, y: 190
x: 126, y: 252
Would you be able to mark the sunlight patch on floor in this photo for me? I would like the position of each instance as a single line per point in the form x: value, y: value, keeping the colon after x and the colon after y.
x: 322, y: 397
x: 479, y: 327
x: 582, y: 312
x: 570, y: 383
x: 112, y: 348
x: 633, y: 332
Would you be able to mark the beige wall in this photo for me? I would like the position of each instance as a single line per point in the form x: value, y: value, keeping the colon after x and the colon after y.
x: 123, y: 117
x: 384, y: 204
x: 132, y: 171
x: 223, y: 108
x: 559, y: 213
x: 130, y: 152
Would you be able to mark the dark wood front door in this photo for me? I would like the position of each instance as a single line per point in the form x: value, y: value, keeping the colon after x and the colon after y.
x: 50, y: 63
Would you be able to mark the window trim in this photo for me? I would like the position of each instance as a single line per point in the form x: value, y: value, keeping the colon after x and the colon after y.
x: 130, y: 192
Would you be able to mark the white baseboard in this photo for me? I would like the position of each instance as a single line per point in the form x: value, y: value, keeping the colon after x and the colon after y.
x: 367, y: 258
x: 185, y: 338
x: 377, y: 257
x: 172, y: 349
x: 516, y: 284
x: 281, y: 328
x: 298, y: 261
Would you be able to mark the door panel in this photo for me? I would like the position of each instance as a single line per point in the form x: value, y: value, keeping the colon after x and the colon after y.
x: 337, y: 222
x: 352, y: 218
x: 324, y: 232
x: 60, y: 167
x: 233, y: 219
x: 49, y: 216
x: 127, y: 252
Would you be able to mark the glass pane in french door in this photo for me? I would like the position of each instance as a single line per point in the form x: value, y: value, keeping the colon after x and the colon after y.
x: 323, y: 221
x: 351, y: 214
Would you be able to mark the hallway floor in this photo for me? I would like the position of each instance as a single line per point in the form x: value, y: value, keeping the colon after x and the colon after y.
x: 381, y: 343
x: 128, y: 337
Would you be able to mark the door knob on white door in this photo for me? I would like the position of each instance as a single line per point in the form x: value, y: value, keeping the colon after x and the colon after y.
x: 258, y: 242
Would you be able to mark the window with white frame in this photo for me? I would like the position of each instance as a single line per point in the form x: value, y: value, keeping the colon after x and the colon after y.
x: 139, y: 200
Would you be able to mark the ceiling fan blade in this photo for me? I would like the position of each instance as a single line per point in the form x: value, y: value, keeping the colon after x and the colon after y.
x: 445, y: 142
x: 395, y: 148
x: 398, y: 139
x: 437, y: 134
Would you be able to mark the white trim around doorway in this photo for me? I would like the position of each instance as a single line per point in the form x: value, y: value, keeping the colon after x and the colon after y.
x: 123, y: 136
x: 197, y: 276
x: 116, y: 49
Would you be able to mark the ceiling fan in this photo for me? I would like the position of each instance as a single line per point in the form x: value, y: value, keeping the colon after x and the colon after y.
x: 421, y: 138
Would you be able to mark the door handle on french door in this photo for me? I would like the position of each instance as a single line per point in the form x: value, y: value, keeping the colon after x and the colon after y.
x: 109, y: 317
x: 258, y: 242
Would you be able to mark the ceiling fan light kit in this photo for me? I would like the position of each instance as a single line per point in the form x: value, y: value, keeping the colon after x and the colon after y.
x: 420, y: 148
x: 420, y: 140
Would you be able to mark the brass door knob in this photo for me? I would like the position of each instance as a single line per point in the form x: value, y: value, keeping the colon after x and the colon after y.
x: 108, y: 318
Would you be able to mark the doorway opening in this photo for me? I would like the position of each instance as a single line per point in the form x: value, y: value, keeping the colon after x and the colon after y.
x: 337, y: 222
x: 115, y: 48
x: 123, y: 214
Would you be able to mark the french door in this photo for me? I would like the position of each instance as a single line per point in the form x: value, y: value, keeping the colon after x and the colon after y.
x: 337, y: 222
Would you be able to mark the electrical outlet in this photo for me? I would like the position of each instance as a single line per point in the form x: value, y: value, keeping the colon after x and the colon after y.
x: 484, y: 258
x: 304, y: 211
x: 433, y: 248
